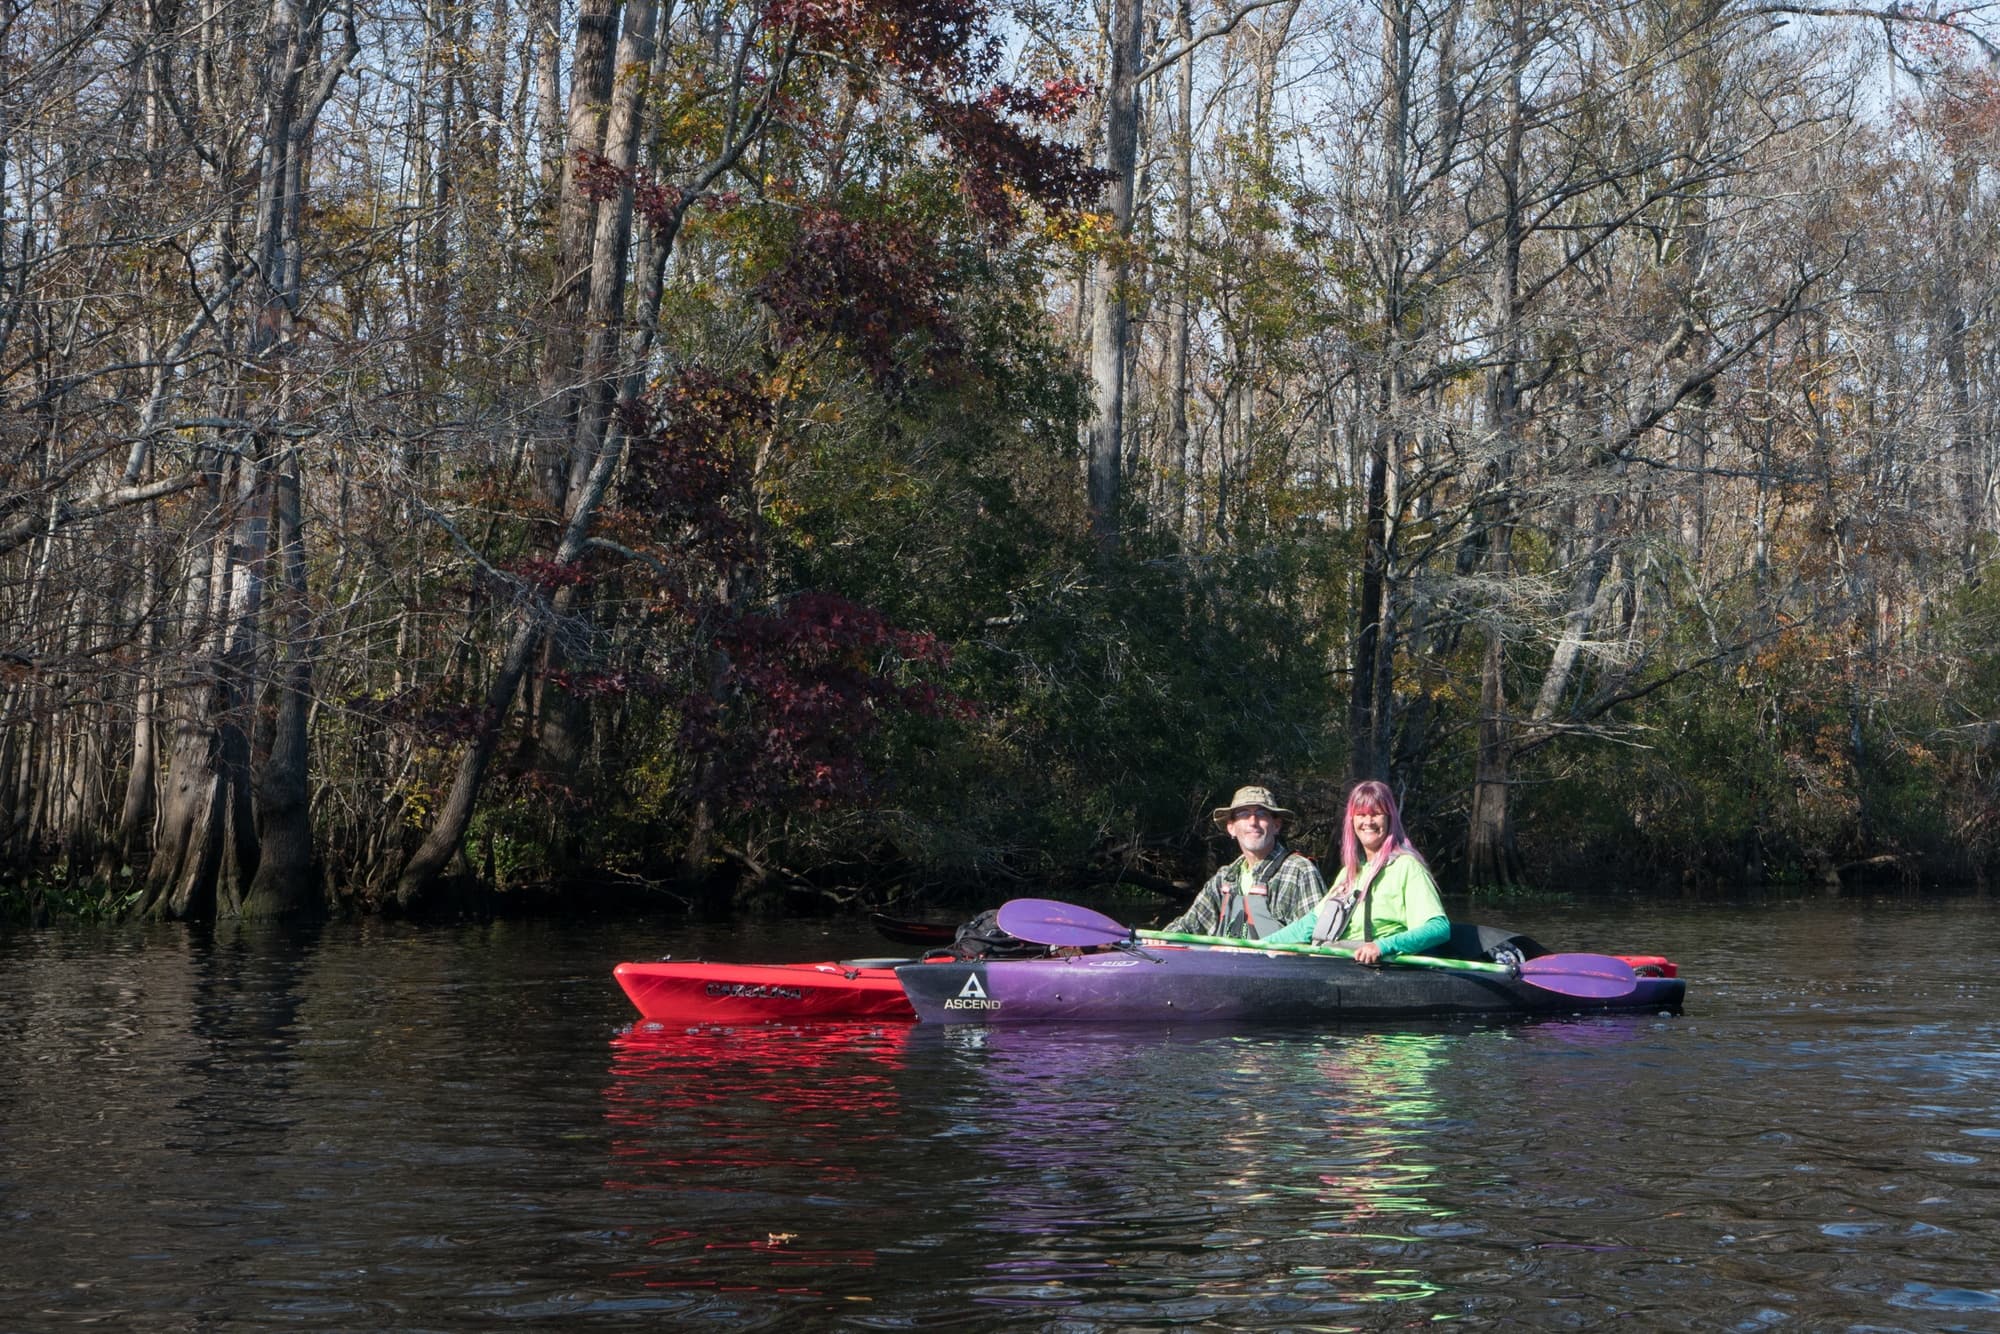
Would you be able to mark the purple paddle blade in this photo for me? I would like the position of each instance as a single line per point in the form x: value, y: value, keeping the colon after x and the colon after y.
x: 1047, y: 922
x: 1594, y: 975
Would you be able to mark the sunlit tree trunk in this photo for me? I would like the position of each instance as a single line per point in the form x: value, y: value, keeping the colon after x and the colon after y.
x: 565, y: 720
x: 1111, y: 273
x: 1184, y: 499
x: 592, y: 71
x: 1368, y: 711
x: 1492, y: 856
x: 225, y: 793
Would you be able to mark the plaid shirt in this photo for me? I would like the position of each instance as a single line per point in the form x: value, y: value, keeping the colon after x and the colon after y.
x: 1296, y: 889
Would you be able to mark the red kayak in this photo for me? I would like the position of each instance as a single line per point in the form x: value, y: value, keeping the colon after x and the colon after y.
x: 707, y: 993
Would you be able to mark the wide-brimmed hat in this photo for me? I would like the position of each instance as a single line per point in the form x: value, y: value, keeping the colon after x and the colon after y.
x: 1251, y: 796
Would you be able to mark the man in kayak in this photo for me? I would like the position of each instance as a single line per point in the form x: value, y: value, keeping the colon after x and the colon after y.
x: 1384, y: 901
x: 1265, y: 887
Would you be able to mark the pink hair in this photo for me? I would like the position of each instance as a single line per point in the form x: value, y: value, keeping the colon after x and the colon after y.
x: 1372, y: 795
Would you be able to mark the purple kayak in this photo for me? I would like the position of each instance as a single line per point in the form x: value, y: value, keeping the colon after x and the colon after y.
x: 1155, y: 984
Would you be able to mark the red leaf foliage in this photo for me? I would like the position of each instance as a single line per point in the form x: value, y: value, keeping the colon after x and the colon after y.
x: 868, y: 283
x: 803, y: 689
x: 548, y: 575
x: 996, y: 156
x: 608, y: 684
x: 596, y: 178
x: 432, y: 714
x: 933, y: 39
x: 660, y: 204
x: 687, y: 462
x: 1969, y: 110
x: 936, y: 50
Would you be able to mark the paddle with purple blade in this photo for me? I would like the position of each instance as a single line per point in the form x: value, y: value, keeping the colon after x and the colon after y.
x: 1049, y: 922
x: 1595, y: 975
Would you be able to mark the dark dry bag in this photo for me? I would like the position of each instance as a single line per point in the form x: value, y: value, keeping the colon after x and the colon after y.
x: 982, y: 938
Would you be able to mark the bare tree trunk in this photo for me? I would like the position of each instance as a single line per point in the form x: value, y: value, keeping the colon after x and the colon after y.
x: 188, y: 859
x: 650, y: 261
x: 1110, y: 301
x: 135, y: 818
x: 1187, y: 504
x: 562, y: 428
x: 287, y: 881
x: 547, y: 46
x: 211, y: 818
x: 1364, y: 704
x: 1492, y: 856
x: 555, y: 424
x: 1372, y: 681
x: 565, y: 731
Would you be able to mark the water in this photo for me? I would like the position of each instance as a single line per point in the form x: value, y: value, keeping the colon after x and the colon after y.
x: 390, y: 1127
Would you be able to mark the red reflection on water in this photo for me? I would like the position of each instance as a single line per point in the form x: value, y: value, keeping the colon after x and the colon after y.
x: 753, y: 1127
x: 812, y: 1076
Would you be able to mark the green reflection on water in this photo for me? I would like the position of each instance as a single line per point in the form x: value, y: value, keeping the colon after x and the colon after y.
x: 1382, y: 1085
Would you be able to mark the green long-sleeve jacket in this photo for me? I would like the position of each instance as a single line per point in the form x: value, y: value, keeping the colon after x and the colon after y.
x: 1403, y: 904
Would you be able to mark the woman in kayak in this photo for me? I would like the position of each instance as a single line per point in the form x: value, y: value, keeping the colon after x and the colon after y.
x: 1384, y: 901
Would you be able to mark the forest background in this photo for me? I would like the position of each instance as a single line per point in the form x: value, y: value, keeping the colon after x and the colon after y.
x: 886, y: 451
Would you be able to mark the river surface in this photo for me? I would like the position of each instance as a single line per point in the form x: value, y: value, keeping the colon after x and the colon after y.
x: 394, y: 1127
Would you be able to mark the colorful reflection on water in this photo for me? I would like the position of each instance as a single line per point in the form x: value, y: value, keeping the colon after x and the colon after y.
x: 754, y: 1129
x: 1139, y: 1164
x: 385, y: 1127
x: 1385, y: 1113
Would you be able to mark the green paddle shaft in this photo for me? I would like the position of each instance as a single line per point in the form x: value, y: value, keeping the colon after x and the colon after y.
x: 1334, y: 951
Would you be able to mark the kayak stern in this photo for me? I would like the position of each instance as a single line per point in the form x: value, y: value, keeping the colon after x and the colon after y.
x: 701, y: 992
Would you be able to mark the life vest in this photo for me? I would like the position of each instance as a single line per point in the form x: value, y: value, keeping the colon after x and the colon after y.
x: 1330, y: 919
x: 1246, y: 913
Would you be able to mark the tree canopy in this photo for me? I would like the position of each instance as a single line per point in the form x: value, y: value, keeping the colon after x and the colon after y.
x: 887, y: 447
